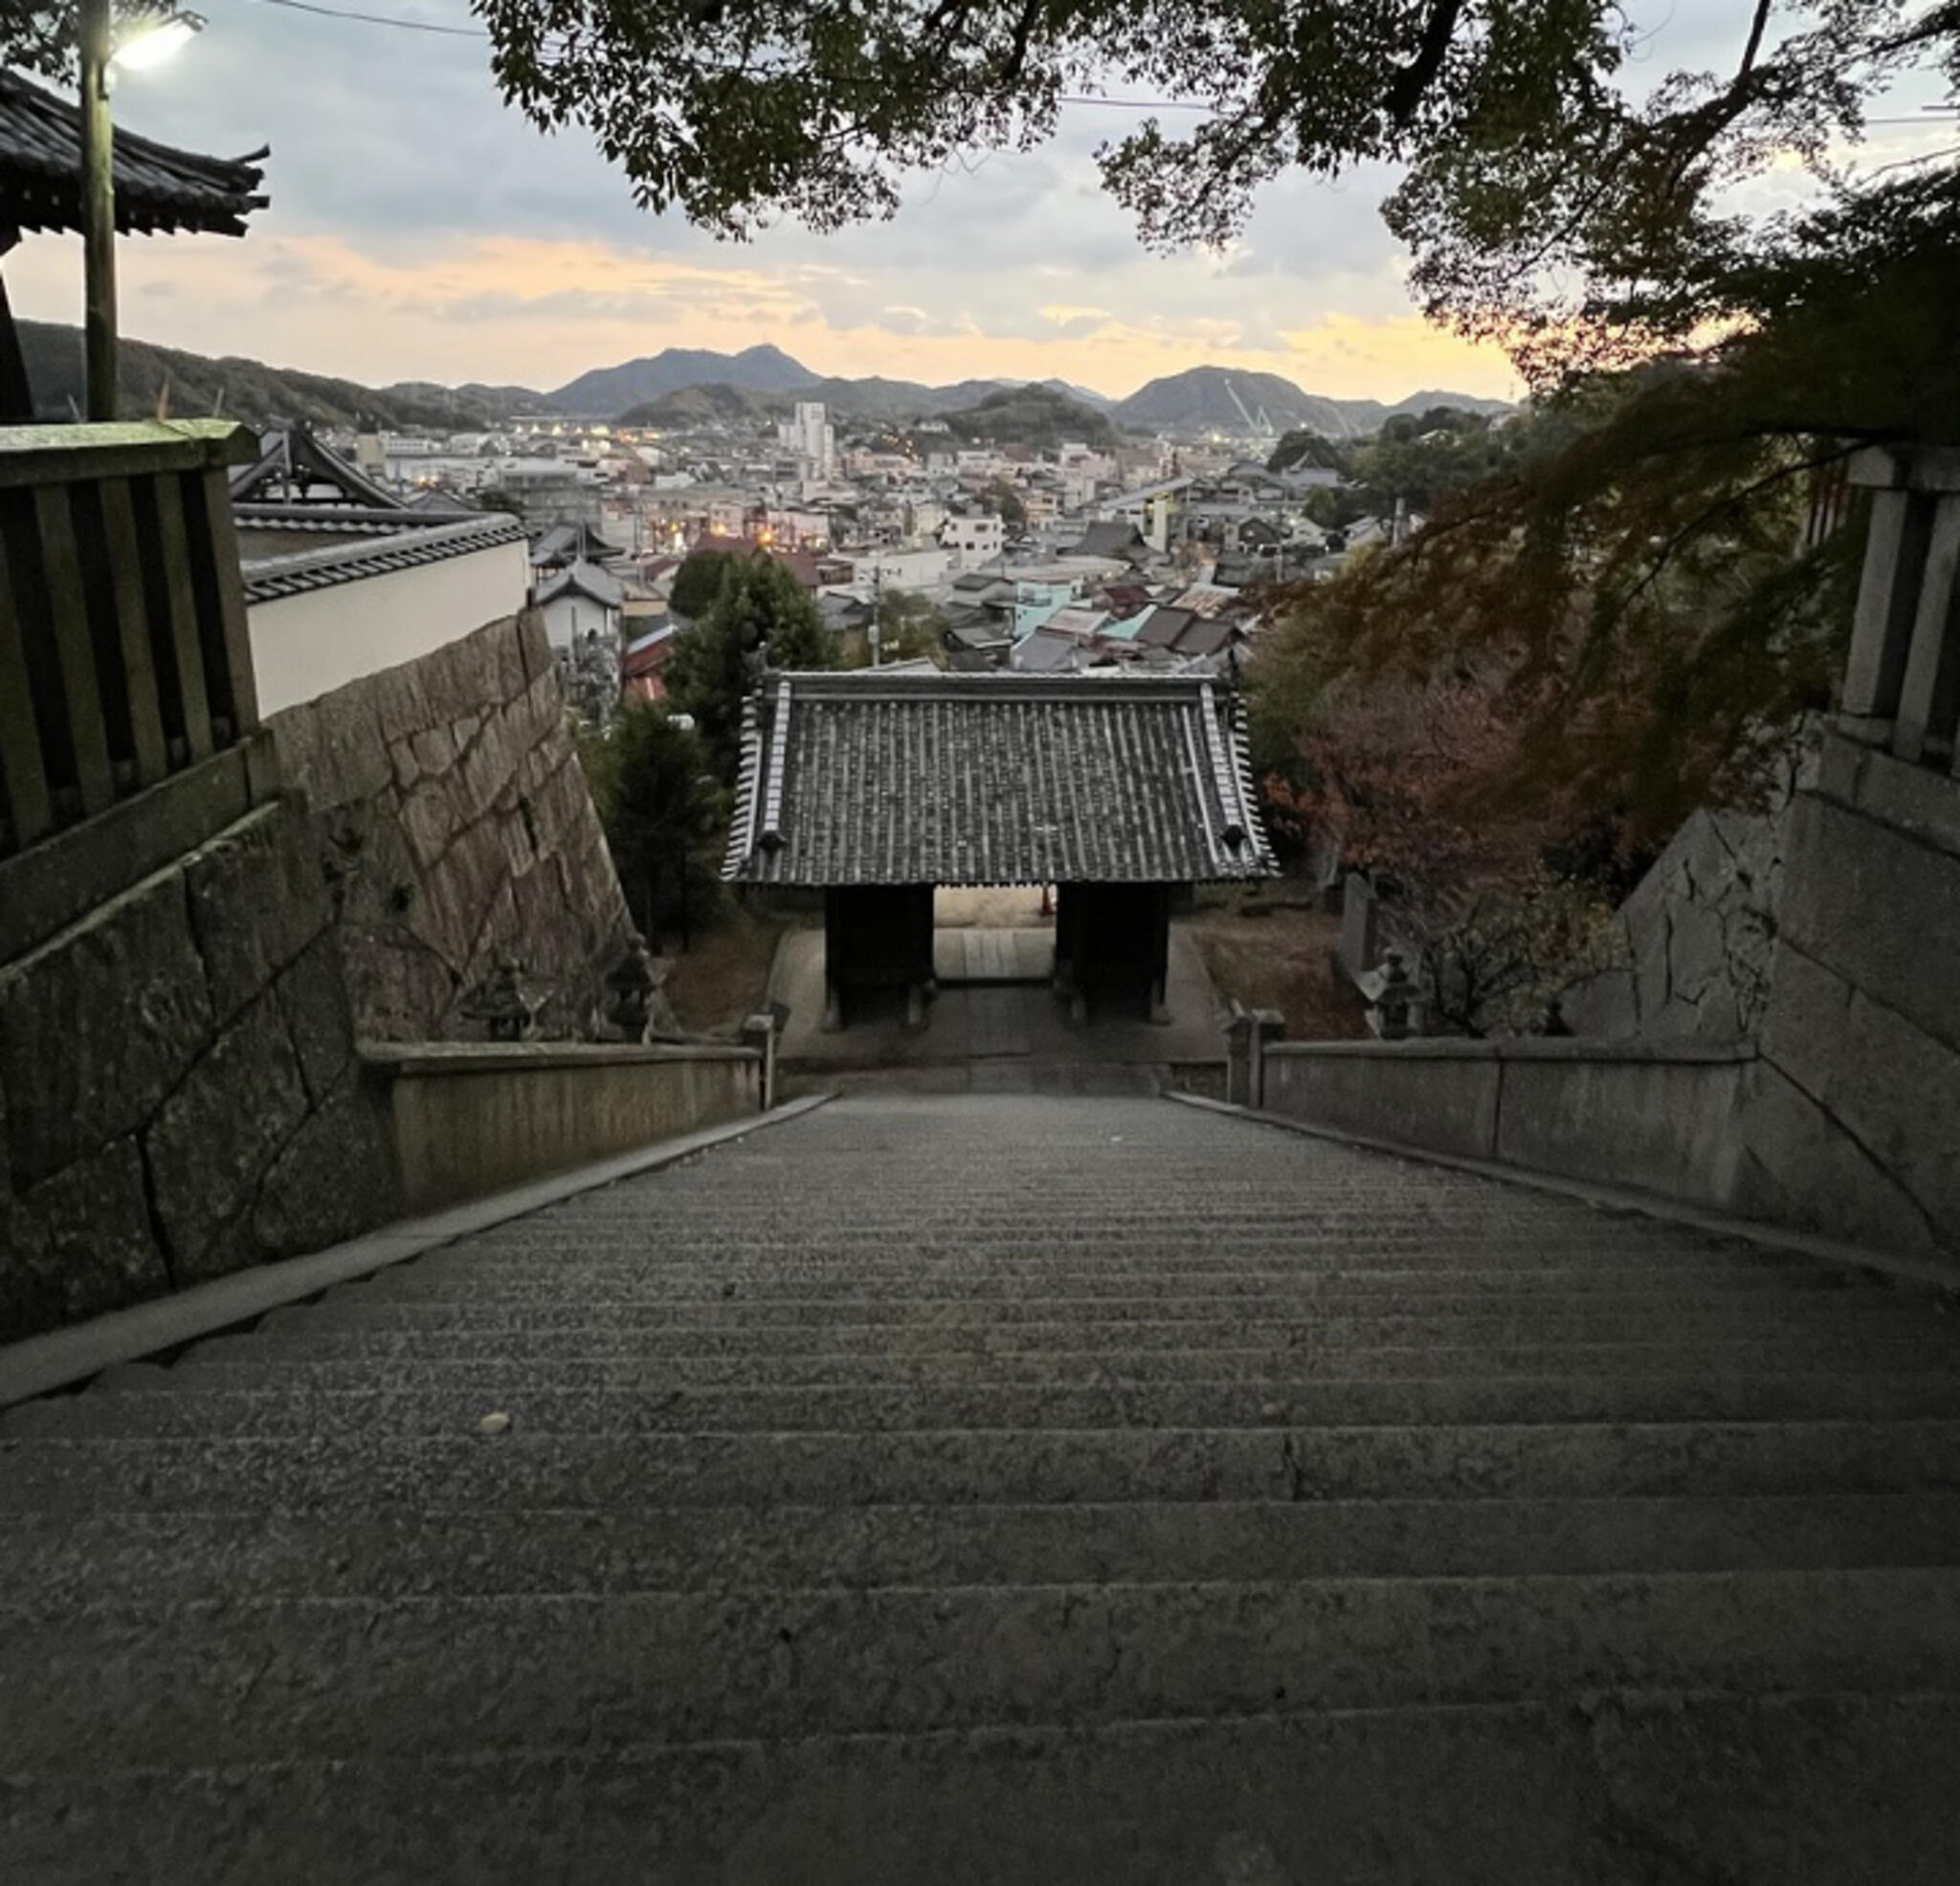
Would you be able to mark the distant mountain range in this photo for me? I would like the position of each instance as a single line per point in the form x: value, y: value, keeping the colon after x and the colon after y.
x: 680, y: 387
x: 1203, y: 399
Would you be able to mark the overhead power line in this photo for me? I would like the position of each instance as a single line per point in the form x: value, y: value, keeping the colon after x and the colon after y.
x: 478, y: 32
x: 1065, y: 98
x: 377, y: 19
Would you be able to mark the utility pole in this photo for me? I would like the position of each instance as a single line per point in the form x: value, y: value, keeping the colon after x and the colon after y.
x: 98, y: 212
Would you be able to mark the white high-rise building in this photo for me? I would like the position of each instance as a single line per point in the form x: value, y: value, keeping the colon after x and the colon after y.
x: 812, y: 439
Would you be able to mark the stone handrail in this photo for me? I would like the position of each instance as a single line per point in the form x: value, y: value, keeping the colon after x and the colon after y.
x: 123, y: 650
x: 473, y: 1118
x: 1653, y: 1115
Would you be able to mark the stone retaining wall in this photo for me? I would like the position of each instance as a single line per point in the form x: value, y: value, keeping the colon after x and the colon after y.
x: 179, y: 1093
x: 474, y: 1119
x: 1851, y: 1121
x: 1652, y: 1116
x: 1693, y: 945
x: 455, y: 826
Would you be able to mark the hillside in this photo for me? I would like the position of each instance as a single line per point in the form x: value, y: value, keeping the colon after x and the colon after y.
x: 1030, y: 415
x: 713, y: 403
x: 609, y: 390
x: 197, y: 386
x: 1214, y: 399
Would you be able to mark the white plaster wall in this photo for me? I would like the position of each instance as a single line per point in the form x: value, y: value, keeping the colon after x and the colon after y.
x: 308, y: 645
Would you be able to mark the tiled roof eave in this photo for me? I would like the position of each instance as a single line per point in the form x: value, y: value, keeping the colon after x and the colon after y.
x: 159, y: 188
x: 275, y: 577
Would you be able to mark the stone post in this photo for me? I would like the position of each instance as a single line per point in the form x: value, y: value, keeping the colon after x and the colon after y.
x: 1238, y: 1056
x: 1900, y: 678
x: 1268, y: 1025
x: 1360, y: 922
x: 759, y: 1032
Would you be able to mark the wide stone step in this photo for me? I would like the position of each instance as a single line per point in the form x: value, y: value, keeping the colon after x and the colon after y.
x: 575, y: 1332
x: 159, y: 1404
x: 349, y: 1677
x: 49, y: 1563
x: 706, y: 1277
x: 729, y: 1309
x: 1625, y: 1792
x: 249, y: 1361
x: 961, y: 1466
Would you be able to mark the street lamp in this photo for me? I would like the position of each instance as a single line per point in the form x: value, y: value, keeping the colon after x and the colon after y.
x: 143, y: 44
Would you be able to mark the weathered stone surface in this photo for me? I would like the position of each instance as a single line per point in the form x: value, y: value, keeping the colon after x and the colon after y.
x: 534, y: 644
x: 469, y: 783
x: 434, y: 750
x: 335, y: 1178
x: 401, y: 990
x: 350, y: 750
x: 59, y: 880
x: 211, y: 1141
x: 486, y: 768
x: 85, y: 1245
x: 400, y: 700
x: 1798, y: 1167
x: 1894, y: 1089
x: 507, y: 640
x: 1879, y: 909
x: 1602, y: 1006
x: 429, y: 818
x: 318, y: 1017
x: 98, y: 1025
x: 257, y: 898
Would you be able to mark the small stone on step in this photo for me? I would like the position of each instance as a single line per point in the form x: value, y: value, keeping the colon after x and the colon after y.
x: 497, y: 1423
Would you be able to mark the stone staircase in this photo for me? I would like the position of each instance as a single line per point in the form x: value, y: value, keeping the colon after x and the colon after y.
x: 1009, y: 1488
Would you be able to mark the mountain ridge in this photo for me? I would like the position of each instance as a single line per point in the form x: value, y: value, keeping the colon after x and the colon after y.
x: 767, y: 382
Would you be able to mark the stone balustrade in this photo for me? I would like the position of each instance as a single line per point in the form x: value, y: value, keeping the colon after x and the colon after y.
x: 1901, y: 680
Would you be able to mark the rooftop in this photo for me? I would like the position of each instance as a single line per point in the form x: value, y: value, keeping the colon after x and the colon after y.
x: 881, y: 778
x: 159, y: 188
x: 351, y: 559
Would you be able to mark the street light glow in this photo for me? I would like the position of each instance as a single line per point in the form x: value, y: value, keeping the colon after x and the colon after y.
x: 155, y: 42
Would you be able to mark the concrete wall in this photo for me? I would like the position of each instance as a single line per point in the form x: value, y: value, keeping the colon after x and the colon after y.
x: 472, y: 1120
x: 1850, y: 1121
x: 1648, y: 1116
x: 179, y: 1093
x: 455, y: 825
x: 308, y: 645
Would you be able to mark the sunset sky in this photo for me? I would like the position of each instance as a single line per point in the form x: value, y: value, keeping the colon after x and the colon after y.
x: 419, y: 229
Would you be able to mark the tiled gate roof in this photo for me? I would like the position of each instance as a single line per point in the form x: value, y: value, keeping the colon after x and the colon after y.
x: 994, y: 779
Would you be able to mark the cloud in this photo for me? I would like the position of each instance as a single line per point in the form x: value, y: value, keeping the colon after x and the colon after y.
x: 421, y: 229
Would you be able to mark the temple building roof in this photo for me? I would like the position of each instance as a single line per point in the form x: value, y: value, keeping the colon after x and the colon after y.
x: 159, y: 188
x: 994, y: 779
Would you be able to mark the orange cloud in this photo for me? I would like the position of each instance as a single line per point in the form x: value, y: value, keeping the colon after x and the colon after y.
x: 507, y: 308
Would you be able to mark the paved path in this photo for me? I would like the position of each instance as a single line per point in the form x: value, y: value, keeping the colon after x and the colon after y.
x: 1008, y: 1489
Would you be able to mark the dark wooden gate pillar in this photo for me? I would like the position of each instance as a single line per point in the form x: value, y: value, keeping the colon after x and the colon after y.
x: 1112, y: 946
x: 876, y: 936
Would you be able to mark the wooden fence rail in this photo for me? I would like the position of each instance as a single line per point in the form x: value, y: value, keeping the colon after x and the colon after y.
x: 123, y: 652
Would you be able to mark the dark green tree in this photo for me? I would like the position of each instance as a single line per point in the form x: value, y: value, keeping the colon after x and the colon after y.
x: 697, y: 579
x: 665, y: 819
x: 1304, y: 446
x: 1000, y: 498
x: 759, y: 619
x: 1557, y: 186
x: 909, y: 626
